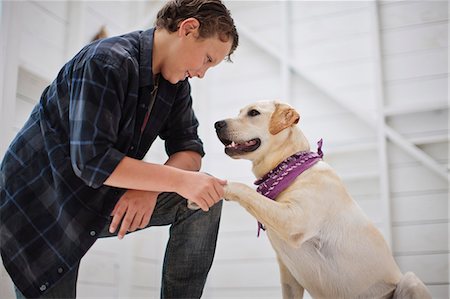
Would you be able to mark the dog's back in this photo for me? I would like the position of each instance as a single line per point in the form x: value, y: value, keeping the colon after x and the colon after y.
x: 411, y: 287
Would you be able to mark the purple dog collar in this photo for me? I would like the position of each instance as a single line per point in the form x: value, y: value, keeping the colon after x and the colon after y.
x: 279, y: 178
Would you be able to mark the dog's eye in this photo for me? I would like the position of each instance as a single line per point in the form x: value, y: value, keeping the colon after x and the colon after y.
x: 253, y: 112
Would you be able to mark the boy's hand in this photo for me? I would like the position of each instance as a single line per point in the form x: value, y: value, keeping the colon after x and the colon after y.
x: 201, y: 188
x: 134, y: 209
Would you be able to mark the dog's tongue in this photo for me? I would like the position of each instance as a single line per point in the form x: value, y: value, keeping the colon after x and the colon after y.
x: 247, y: 143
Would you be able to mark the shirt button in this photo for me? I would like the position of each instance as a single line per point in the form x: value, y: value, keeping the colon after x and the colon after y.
x: 92, y: 233
x: 132, y: 147
x: 60, y: 270
x: 43, y: 287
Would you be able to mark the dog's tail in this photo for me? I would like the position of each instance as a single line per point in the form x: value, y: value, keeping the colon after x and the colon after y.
x: 411, y: 287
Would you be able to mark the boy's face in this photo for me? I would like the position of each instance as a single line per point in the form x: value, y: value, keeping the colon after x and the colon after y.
x: 191, y: 56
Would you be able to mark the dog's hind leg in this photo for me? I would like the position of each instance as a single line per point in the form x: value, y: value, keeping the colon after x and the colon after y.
x: 411, y: 287
x: 289, y: 285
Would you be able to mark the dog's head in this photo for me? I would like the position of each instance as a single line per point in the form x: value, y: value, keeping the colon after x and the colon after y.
x: 260, y: 129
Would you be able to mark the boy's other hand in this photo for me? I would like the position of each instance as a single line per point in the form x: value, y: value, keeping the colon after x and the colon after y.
x: 134, y: 209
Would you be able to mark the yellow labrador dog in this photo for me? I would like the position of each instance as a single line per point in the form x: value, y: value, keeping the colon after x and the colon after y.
x: 323, y: 240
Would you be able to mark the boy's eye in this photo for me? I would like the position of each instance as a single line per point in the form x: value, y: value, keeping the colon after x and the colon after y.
x: 253, y: 112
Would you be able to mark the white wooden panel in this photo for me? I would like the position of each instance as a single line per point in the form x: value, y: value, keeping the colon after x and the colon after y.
x: 143, y: 13
x: 94, y: 21
x: 432, y: 268
x: 157, y: 153
x: 105, y: 247
x: 56, y: 8
x: 243, y: 92
x: 407, y: 13
x: 22, y: 113
x: 251, y: 12
x: 348, y: 50
x: 420, y: 207
x: 6, y: 284
x: 347, y: 162
x: 438, y: 151
x: 244, y: 247
x: 410, y: 125
x: 418, y: 91
x: 416, y: 64
x: 139, y: 292
x: 312, y: 103
x: 414, y: 178
x: 150, y: 243
x: 336, y: 129
x: 439, y: 291
x: 246, y: 67
x: 361, y: 98
x: 146, y: 274
x: 420, y: 238
x: 341, y: 75
x: 87, y: 290
x: 111, y: 12
x: 337, y: 26
x: 98, y: 269
x: 272, y: 35
x: 243, y: 293
x: 363, y: 188
x: 42, y: 24
x: 302, y: 10
x: 30, y: 86
x: 253, y: 273
x: 39, y: 57
x: 425, y: 37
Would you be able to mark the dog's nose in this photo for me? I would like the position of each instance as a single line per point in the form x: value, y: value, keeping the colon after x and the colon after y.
x: 220, y: 125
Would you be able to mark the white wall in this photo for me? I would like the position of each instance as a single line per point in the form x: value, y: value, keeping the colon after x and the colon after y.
x: 375, y: 88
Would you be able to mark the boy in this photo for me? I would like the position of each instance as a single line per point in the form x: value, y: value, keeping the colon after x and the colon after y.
x: 74, y: 171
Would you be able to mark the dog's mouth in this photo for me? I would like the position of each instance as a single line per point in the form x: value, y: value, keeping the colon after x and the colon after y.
x: 240, y: 147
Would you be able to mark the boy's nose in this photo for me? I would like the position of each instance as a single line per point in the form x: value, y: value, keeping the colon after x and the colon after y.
x: 201, y: 72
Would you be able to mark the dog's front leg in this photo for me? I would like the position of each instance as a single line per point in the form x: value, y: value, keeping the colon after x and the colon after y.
x: 289, y: 285
x: 289, y: 223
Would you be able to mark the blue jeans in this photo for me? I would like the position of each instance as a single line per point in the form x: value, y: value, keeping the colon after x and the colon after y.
x: 189, y: 252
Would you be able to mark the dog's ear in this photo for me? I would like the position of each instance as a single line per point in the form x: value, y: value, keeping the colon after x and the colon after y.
x: 283, y: 117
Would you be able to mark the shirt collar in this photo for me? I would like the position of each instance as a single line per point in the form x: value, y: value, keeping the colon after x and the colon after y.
x: 145, y: 62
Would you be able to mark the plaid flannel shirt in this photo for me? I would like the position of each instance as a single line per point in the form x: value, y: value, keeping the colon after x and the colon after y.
x: 53, y: 202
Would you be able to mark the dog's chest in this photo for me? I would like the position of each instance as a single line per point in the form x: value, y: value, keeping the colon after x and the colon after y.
x: 305, y: 261
x: 299, y: 258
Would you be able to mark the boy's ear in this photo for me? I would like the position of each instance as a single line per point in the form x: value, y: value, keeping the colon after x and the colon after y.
x: 283, y: 117
x: 189, y: 26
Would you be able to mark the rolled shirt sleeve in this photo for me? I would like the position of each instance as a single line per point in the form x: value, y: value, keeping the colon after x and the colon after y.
x: 180, y: 131
x: 96, y: 97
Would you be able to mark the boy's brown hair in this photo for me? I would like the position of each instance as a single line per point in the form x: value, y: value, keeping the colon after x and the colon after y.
x: 213, y: 16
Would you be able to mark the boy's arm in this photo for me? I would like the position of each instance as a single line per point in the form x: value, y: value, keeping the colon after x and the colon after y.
x: 187, y: 160
x: 134, y: 208
x: 138, y: 175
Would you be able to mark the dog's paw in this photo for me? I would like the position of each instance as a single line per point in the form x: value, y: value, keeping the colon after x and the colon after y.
x: 235, y: 191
